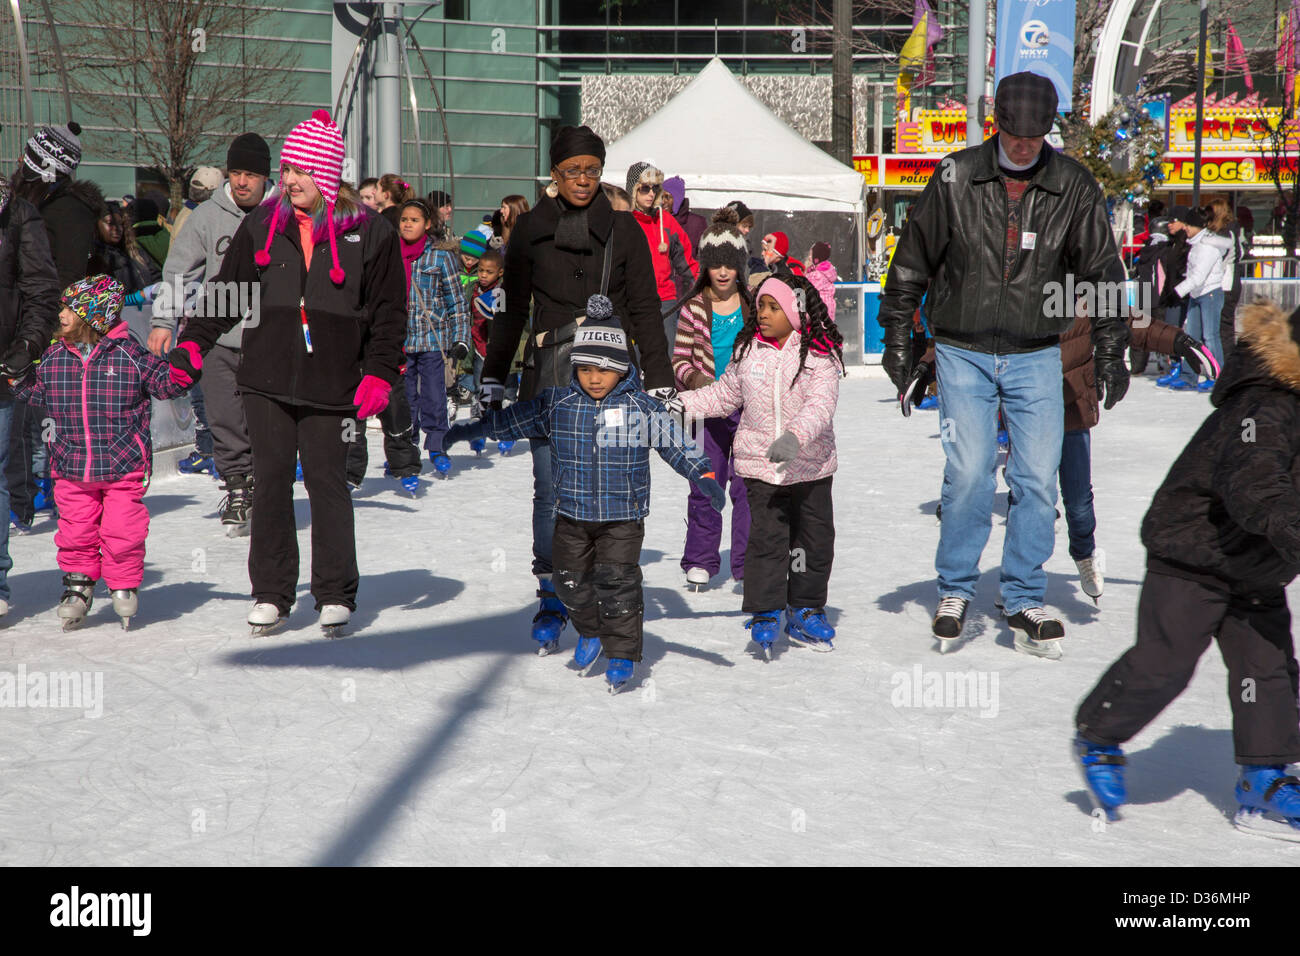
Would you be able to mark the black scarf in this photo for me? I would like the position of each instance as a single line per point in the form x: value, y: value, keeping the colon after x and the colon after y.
x: 572, y: 233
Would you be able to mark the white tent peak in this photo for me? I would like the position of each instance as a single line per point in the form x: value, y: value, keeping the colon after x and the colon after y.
x: 725, y: 144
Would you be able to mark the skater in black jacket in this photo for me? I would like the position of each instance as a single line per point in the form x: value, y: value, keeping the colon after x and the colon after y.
x: 1223, y: 542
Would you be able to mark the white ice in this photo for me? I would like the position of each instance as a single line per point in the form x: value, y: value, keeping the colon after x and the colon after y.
x: 434, y: 735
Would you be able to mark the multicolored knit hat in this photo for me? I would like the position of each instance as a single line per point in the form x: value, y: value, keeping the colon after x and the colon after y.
x: 54, y: 147
x: 96, y: 300
x: 316, y: 147
x: 475, y: 242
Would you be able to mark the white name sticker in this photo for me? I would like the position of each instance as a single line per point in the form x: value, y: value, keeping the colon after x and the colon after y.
x: 614, y: 417
x: 1027, y: 240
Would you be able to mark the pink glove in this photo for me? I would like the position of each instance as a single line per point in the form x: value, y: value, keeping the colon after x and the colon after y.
x: 186, y: 364
x: 371, y: 397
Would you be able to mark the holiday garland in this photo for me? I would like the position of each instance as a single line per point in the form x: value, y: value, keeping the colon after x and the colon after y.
x: 1123, y: 150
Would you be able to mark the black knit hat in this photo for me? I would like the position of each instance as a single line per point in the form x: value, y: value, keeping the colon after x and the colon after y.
x: 1025, y: 104
x: 1188, y: 216
x: 54, y: 148
x: 576, y: 141
x: 742, y: 211
x: 600, y: 340
x: 249, y: 153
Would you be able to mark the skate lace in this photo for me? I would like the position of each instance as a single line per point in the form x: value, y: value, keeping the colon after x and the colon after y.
x: 951, y: 607
x: 1036, y: 614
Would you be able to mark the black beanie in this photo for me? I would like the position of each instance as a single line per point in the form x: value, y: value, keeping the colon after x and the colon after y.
x: 576, y: 141
x: 249, y: 153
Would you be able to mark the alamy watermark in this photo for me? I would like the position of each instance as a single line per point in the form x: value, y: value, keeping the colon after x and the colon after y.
x: 77, y: 690
x: 946, y: 690
x: 221, y: 300
x: 1061, y: 299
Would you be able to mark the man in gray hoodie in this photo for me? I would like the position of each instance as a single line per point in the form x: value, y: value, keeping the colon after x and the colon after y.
x: 195, y: 256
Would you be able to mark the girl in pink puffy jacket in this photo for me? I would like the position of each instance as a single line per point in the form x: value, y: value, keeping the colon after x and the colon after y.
x: 785, y: 375
x: 822, y: 274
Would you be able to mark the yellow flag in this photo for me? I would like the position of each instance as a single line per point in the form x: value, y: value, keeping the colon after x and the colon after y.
x: 903, y: 97
x: 1209, y: 62
x: 912, y: 57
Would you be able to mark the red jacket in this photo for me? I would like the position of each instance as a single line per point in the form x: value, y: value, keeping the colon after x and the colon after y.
x: 675, y: 266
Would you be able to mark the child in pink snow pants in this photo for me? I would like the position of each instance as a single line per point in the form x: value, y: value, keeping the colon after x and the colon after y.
x: 96, y: 382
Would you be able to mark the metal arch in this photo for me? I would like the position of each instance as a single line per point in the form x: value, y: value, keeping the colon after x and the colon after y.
x: 415, y: 113
x: 1106, y: 64
x: 349, y: 81
x: 419, y: 51
x: 24, y: 68
x: 446, y: 136
x: 58, y: 57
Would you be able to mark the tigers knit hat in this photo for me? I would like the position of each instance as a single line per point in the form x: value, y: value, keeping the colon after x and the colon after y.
x: 600, y: 340
x: 316, y: 147
x: 55, y: 148
x: 96, y: 300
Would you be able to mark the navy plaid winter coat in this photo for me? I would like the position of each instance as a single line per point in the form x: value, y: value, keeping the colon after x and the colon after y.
x: 600, y: 450
x: 100, y: 405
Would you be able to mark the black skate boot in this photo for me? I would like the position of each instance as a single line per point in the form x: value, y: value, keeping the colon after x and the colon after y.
x: 1037, y: 634
x: 949, y: 619
x: 237, y: 506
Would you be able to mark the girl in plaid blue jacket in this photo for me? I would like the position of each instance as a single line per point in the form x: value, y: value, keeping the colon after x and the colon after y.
x: 437, y: 326
x: 600, y: 430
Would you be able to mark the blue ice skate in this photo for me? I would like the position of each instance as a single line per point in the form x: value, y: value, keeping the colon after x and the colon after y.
x: 1175, y: 372
x: 410, y: 483
x: 476, y: 445
x: 197, y: 463
x: 808, y: 627
x: 297, y: 474
x: 618, y: 673
x: 549, y: 620
x: 505, y: 447
x: 763, y: 628
x: 586, y: 653
x: 1103, y: 772
x: 1270, y: 802
x: 928, y: 403
x: 441, y: 463
x: 43, y: 500
x: 18, y: 524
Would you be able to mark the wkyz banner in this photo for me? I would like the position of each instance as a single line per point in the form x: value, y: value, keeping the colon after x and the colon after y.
x: 1038, y: 36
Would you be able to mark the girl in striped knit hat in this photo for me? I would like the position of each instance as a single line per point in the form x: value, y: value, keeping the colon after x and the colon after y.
x: 321, y: 349
x: 670, y: 248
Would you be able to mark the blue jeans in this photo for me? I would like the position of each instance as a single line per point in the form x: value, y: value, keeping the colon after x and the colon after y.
x: 1027, y: 386
x: 1202, y: 324
x: 1076, y: 492
x: 543, y: 505
x: 6, y: 562
x: 426, y: 392
x: 202, y: 433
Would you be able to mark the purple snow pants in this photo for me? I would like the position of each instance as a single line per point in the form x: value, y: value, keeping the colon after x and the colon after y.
x: 703, y: 524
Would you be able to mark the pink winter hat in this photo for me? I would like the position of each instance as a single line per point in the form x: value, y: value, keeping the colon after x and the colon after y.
x: 316, y: 147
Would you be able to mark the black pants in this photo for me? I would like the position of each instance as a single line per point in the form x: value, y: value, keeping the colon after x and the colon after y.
x: 791, y: 545
x: 1176, y: 619
x: 400, y: 449
x: 281, y: 434
x: 1228, y: 322
x: 598, y: 577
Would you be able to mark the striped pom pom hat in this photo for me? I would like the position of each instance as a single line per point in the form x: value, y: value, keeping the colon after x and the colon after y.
x: 316, y: 147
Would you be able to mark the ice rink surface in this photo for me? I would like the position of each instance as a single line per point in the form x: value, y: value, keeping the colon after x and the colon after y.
x: 434, y: 735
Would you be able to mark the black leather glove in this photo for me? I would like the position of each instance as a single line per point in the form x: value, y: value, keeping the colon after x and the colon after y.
x: 918, y: 383
x: 459, y: 351
x: 897, y: 360
x: 1110, y: 340
x: 19, y: 360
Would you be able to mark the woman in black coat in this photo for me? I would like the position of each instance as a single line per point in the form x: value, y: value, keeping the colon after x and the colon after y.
x: 570, y: 245
x: 321, y: 351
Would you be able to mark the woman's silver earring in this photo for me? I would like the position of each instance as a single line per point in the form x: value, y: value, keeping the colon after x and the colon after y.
x: 552, y: 189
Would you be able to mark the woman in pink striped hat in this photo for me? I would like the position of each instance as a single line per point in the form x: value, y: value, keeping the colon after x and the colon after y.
x: 322, y: 293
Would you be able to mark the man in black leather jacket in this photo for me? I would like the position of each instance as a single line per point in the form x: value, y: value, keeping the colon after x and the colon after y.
x: 1002, y: 236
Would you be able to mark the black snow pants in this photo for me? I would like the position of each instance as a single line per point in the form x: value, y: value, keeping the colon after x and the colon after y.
x: 597, y: 574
